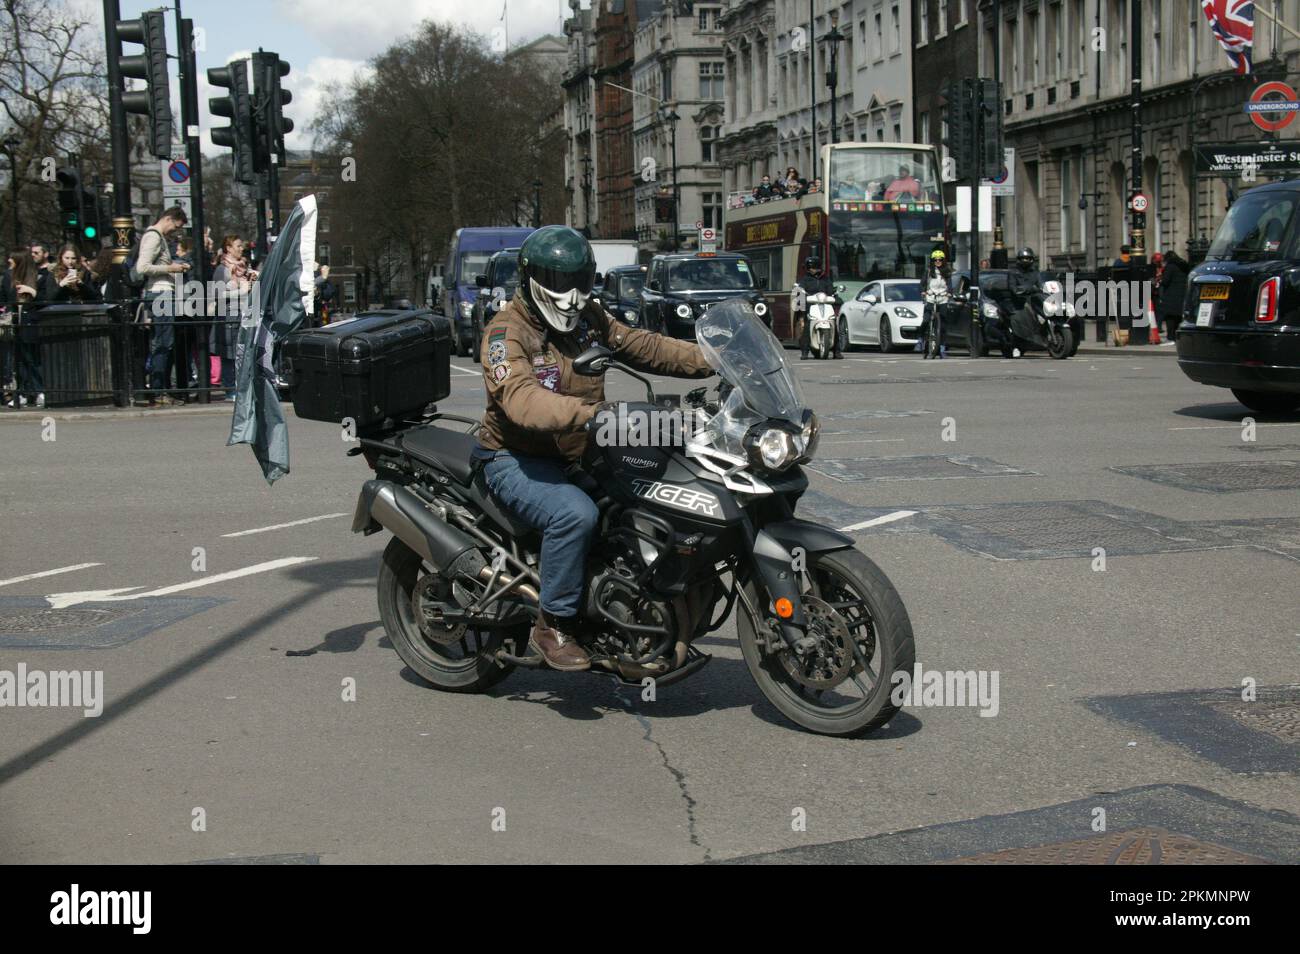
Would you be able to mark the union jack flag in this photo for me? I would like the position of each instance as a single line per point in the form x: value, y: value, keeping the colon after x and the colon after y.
x: 1233, y: 22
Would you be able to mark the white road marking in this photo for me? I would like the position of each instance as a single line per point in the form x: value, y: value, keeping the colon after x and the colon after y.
x: 37, y: 576
x: 877, y: 521
x: 880, y: 440
x: 1230, y: 427
x: 281, y: 526
x: 473, y: 374
x: 62, y: 600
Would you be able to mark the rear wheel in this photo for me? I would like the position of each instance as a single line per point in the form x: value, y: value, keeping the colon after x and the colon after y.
x: 844, y: 685
x: 450, y: 658
x: 1264, y: 402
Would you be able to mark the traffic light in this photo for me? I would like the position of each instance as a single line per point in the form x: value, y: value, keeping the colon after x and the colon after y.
x: 961, y: 126
x: 990, y: 145
x: 270, y: 123
x: 236, y: 107
x: 154, y: 100
x: 71, y: 199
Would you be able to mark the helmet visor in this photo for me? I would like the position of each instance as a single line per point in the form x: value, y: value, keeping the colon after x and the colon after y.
x: 560, y: 283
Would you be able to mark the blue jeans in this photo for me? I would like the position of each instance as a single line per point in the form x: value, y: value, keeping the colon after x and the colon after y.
x: 537, y: 492
x: 164, y: 340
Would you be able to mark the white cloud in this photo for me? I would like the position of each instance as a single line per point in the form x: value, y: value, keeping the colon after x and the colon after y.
x: 308, y: 88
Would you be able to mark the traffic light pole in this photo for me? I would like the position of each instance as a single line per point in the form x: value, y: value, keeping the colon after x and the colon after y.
x: 189, y: 80
x: 122, y: 225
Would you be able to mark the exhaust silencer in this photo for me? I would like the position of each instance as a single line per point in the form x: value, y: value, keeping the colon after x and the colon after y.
x: 402, y: 513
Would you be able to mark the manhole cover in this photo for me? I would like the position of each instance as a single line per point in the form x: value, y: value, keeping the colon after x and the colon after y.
x: 28, y: 622
x: 1280, y: 535
x: 1252, y: 737
x: 1049, y: 530
x: 1279, y: 719
x: 1141, y: 846
x: 924, y: 467
x: 1222, y: 478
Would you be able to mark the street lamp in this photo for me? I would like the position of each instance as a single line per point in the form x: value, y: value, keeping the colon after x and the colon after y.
x: 9, y: 148
x: 586, y: 193
x: 669, y: 115
x: 537, y: 203
x: 834, y: 38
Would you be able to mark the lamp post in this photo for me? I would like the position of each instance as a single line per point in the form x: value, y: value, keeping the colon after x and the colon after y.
x: 10, y: 148
x: 669, y: 115
x: 833, y: 39
x: 586, y: 194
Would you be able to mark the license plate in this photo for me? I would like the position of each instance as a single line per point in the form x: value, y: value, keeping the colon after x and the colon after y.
x: 1204, y: 314
x: 1214, y: 293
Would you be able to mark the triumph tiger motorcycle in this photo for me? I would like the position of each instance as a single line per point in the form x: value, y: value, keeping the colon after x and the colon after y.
x: 687, y: 534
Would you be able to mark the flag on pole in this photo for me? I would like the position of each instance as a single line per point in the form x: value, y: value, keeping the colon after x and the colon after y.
x: 283, y: 300
x: 1233, y: 23
x: 503, y: 12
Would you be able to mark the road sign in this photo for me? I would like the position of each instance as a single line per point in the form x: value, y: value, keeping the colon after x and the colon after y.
x: 1004, y: 184
x: 708, y: 240
x: 1258, y: 107
x: 176, y: 173
x: 1138, y: 203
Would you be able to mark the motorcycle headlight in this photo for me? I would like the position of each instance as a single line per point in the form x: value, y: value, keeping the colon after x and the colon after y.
x: 904, y: 313
x: 772, y: 448
x: 760, y: 309
x: 466, y: 309
x: 630, y: 317
x: 809, y: 435
x: 683, y: 310
x: 990, y: 310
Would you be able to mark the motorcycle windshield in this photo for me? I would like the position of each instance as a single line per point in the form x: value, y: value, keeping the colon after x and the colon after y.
x: 747, y: 355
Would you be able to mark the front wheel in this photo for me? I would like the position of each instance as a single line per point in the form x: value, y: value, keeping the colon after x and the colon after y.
x: 1062, y: 345
x: 450, y: 658
x: 886, y: 335
x: 844, y: 685
x: 1264, y: 402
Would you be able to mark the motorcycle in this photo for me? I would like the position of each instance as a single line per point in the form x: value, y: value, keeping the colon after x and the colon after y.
x: 821, y: 324
x: 687, y: 534
x: 1045, y: 322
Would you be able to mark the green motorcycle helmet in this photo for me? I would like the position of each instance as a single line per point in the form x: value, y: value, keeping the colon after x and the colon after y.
x: 557, y: 270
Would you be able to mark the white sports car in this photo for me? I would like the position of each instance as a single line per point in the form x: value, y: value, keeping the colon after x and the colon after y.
x: 886, y: 313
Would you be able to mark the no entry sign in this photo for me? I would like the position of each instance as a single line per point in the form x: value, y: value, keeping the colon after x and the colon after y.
x: 1259, y: 107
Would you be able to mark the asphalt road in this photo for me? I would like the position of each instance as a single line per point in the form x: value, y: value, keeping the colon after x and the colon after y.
x: 231, y: 708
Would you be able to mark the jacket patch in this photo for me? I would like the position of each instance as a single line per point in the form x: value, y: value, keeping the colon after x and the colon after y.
x: 497, y: 334
x: 496, y: 352
x: 500, y: 373
x: 549, y: 376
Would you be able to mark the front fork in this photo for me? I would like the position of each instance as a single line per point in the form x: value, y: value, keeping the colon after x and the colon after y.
x: 780, y: 552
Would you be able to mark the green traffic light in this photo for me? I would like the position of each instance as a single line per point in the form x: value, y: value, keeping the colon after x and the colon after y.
x: 89, y: 231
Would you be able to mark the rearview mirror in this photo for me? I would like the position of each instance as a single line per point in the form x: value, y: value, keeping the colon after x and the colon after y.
x: 598, y: 280
x: 871, y: 299
x: 839, y: 289
x: 654, y: 284
x: 593, y: 362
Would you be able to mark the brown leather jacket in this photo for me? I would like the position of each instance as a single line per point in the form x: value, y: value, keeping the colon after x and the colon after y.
x: 535, y: 403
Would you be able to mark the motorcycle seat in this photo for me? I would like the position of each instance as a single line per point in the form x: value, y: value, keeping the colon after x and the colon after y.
x: 446, y: 449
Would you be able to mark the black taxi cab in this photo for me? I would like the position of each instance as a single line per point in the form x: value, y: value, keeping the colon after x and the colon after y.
x: 1241, y: 317
x: 681, y: 287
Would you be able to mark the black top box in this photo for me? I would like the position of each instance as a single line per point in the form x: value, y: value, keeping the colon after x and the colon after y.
x: 377, y: 365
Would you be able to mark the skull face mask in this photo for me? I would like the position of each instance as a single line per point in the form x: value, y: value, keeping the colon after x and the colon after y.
x: 559, y: 309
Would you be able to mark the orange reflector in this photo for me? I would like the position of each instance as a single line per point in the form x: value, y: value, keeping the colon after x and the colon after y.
x: 784, y: 608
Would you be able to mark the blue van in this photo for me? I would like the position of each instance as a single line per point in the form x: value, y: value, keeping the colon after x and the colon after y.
x: 467, y: 257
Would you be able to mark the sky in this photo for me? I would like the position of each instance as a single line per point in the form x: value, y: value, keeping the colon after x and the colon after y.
x: 326, y: 40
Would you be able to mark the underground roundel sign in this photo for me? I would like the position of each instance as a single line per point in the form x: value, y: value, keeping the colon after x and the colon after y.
x: 1270, y: 113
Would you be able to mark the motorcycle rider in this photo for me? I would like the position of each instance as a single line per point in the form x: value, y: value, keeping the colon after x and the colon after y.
x: 817, y: 282
x: 1025, y: 284
x: 538, y: 410
x: 936, y: 295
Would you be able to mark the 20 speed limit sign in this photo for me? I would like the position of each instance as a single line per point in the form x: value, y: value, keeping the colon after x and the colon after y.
x: 1138, y: 203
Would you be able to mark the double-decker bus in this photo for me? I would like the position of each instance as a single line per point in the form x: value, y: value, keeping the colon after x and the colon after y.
x: 880, y: 214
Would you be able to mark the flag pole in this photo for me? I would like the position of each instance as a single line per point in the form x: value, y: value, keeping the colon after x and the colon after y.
x: 1276, y: 19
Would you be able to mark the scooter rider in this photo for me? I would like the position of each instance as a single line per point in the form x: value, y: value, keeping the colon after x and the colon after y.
x: 1025, y: 284
x: 538, y: 410
x: 817, y: 282
x: 936, y: 295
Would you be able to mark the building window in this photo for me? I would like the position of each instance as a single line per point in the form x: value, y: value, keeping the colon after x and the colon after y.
x: 708, y: 22
x: 1068, y: 191
x: 1157, y: 47
x: 880, y: 37
x: 896, y: 26
x: 962, y: 17
x: 922, y: 21
x: 708, y: 139
x: 923, y: 133
x: 324, y: 224
x: 941, y: 8
x: 323, y: 255
x: 322, y: 196
x: 711, y: 209
x: 349, y: 292
x: 347, y: 256
x: 666, y: 80
x: 711, y: 79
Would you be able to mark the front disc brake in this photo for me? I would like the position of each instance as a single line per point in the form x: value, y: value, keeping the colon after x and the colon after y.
x: 830, y: 662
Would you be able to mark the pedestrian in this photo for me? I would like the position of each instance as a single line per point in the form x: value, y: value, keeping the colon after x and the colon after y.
x: 765, y: 190
x: 68, y: 283
x: 1173, y: 289
x: 155, y: 268
x: 815, y: 186
x: 40, y: 253
x: 26, y: 287
x: 232, y: 283
x: 904, y: 184
x: 7, y: 333
x: 794, y: 184
x: 1125, y: 257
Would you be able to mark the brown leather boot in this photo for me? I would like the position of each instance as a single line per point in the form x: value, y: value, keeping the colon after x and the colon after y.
x: 560, y: 650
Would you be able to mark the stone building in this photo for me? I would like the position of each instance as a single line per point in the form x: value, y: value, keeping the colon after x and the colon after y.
x: 1065, y: 69
x: 308, y: 174
x: 679, y: 71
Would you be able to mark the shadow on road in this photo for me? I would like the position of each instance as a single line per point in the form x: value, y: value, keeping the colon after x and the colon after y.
x: 1231, y: 412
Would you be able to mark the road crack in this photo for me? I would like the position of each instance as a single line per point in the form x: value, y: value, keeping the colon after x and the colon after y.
x: 692, y: 827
